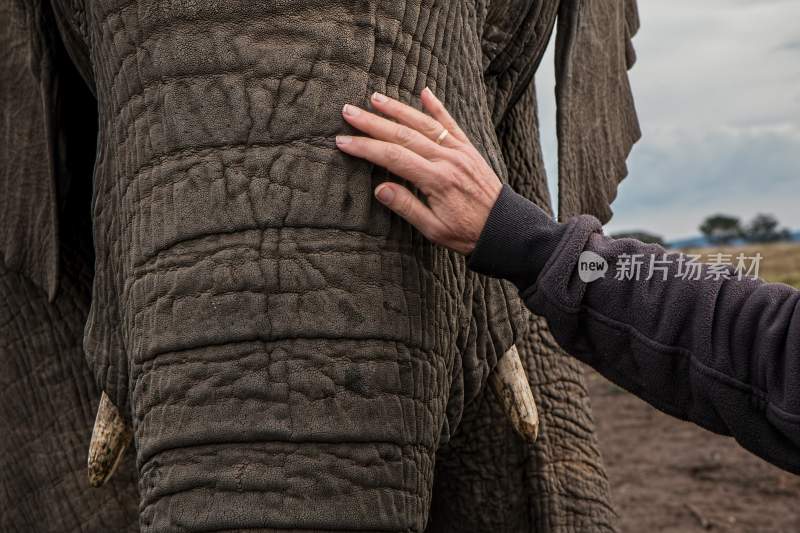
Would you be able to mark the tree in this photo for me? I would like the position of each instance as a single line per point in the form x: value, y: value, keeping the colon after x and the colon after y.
x: 721, y: 229
x: 764, y: 228
x: 640, y: 236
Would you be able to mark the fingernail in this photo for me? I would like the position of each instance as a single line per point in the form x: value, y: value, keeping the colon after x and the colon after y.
x: 378, y: 97
x: 428, y: 90
x: 343, y: 139
x: 384, y: 193
x: 350, y: 110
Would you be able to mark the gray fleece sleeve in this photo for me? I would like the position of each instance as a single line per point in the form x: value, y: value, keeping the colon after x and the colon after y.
x: 722, y: 353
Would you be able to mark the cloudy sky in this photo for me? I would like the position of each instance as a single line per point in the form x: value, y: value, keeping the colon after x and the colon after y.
x: 717, y: 89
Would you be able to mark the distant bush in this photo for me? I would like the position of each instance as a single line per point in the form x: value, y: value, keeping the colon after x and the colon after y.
x: 643, y: 236
x: 721, y: 229
x: 764, y: 228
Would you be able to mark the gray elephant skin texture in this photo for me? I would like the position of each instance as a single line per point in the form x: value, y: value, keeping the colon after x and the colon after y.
x: 179, y: 231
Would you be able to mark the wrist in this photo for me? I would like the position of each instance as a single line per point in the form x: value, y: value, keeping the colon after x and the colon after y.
x: 516, y: 241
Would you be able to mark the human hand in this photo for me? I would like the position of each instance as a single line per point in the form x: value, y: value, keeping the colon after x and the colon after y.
x: 433, y: 153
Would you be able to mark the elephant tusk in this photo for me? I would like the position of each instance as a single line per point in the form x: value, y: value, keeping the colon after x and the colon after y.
x: 510, y: 383
x: 110, y: 437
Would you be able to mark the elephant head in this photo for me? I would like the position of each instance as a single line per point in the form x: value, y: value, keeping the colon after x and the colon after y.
x: 284, y: 352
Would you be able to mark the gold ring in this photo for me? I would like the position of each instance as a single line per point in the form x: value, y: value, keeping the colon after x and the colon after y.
x: 442, y: 136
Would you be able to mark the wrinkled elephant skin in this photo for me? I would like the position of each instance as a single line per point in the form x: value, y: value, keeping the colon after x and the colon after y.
x: 286, y: 353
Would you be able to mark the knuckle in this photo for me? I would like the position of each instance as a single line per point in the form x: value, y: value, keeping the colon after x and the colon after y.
x: 405, y: 206
x: 437, y: 170
x: 436, y: 235
x: 403, y: 135
x: 439, y: 181
x: 446, y: 178
x: 458, y: 166
x: 464, y: 151
x: 468, y: 187
x: 463, y: 164
x: 432, y: 129
x: 458, y: 142
x: 451, y: 179
x: 393, y: 155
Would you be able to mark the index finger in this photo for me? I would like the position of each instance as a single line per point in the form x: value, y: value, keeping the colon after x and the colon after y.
x: 397, y: 159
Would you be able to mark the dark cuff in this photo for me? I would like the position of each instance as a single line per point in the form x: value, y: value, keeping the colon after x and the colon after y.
x: 517, y: 240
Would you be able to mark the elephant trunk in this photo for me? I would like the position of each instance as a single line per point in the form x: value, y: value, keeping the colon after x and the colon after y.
x: 288, y: 345
x: 111, y: 435
x: 314, y: 435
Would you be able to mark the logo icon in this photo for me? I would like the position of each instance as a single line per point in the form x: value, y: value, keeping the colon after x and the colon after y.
x: 591, y: 267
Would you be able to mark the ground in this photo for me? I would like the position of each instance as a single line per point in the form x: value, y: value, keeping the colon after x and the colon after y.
x: 671, y: 476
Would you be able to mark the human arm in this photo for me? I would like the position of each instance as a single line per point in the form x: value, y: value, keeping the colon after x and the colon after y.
x: 724, y: 354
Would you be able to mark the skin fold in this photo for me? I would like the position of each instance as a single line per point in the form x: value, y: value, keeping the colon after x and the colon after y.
x: 179, y: 230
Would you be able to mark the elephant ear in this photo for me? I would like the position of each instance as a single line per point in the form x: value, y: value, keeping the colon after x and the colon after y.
x: 514, y: 36
x: 40, y: 93
x: 28, y: 210
x: 597, y: 123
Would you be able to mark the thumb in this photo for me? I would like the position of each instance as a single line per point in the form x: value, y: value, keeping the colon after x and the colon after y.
x: 409, y: 208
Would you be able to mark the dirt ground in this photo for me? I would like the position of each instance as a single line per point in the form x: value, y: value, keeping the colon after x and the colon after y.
x: 670, y: 476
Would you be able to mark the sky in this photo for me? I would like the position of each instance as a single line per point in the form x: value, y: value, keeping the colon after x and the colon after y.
x: 717, y: 91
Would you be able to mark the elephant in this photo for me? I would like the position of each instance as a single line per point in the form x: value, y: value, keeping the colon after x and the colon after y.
x: 183, y: 248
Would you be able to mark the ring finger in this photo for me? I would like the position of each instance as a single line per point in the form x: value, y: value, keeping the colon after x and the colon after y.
x: 414, y: 119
